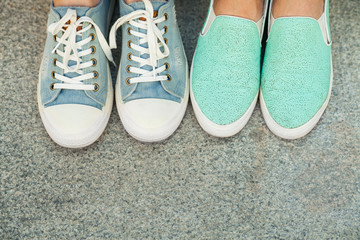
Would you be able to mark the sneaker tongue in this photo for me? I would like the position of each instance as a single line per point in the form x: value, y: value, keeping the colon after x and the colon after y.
x: 141, y: 6
x: 80, y: 11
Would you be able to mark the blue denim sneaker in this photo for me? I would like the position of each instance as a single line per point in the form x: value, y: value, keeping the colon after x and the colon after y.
x: 75, y: 94
x: 297, y: 74
x: 225, y: 74
x: 152, y: 84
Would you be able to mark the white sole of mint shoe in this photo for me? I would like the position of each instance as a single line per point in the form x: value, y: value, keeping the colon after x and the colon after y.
x: 151, y: 135
x: 299, y: 132
x: 88, y: 137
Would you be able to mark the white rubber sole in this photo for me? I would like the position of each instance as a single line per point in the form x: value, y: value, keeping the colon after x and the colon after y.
x: 87, y: 137
x: 295, y: 133
x: 150, y: 135
x: 216, y: 130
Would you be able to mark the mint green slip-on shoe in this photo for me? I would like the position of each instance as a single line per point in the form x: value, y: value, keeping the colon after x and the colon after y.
x: 296, y: 79
x: 225, y: 74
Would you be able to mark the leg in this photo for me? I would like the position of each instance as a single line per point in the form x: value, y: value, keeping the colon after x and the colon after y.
x: 250, y: 9
x: 84, y: 3
x: 292, y: 8
x: 131, y: 1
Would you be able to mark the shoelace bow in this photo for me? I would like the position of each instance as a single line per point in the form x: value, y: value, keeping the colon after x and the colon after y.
x: 72, y: 26
x: 145, y: 20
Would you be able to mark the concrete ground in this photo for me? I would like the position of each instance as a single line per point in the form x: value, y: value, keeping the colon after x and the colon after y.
x: 193, y: 186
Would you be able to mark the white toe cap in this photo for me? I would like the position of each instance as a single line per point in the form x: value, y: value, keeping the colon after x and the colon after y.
x: 72, y: 119
x: 151, y: 120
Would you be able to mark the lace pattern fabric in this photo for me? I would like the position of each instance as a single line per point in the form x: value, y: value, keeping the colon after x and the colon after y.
x: 226, y: 72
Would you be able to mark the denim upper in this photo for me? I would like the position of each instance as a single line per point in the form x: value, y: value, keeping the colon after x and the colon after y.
x: 171, y: 90
x: 296, y: 73
x: 226, y: 69
x: 99, y: 14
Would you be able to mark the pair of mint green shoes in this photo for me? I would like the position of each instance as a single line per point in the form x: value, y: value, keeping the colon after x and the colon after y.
x: 293, y: 85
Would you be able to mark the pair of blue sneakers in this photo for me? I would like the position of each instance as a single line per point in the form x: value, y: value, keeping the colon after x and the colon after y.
x: 293, y: 86
x: 75, y: 91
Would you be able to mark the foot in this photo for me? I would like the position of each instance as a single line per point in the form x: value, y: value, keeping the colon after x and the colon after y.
x: 75, y: 93
x: 249, y: 9
x: 225, y: 75
x: 151, y: 89
x: 298, y: 8
x: 297, y: 70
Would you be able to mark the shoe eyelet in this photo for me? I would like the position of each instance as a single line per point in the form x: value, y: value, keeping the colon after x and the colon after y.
x: 168, y: 77
x: 167, y: 66
x: 55, y: 36
x: 128, y: 69
x: 53, y: 74
x: 94, y: 62
x: 54, y: 62
x: 128, y: 31
x: 92, y: 35
x: 165, y: 40
x: 93, y: 49
x: 166, y: 29
x: 128, y: 81
x: 129, y: 56
x: 166, y: 16
x: 52, y: 87
x: 96, y: 87
x: 96, y: 74
x: 129, y: 43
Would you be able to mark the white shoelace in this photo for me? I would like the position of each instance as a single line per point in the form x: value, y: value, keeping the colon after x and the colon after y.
x: 154, y: 38
x: 73, y: 50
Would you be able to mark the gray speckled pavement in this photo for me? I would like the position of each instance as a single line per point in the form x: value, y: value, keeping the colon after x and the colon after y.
x: 251, y: 186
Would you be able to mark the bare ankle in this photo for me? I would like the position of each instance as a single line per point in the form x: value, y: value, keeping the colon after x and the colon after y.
x: 249, y: 9
x: 82, y: 3
x: 131, y: 1
x: 301, y: 8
